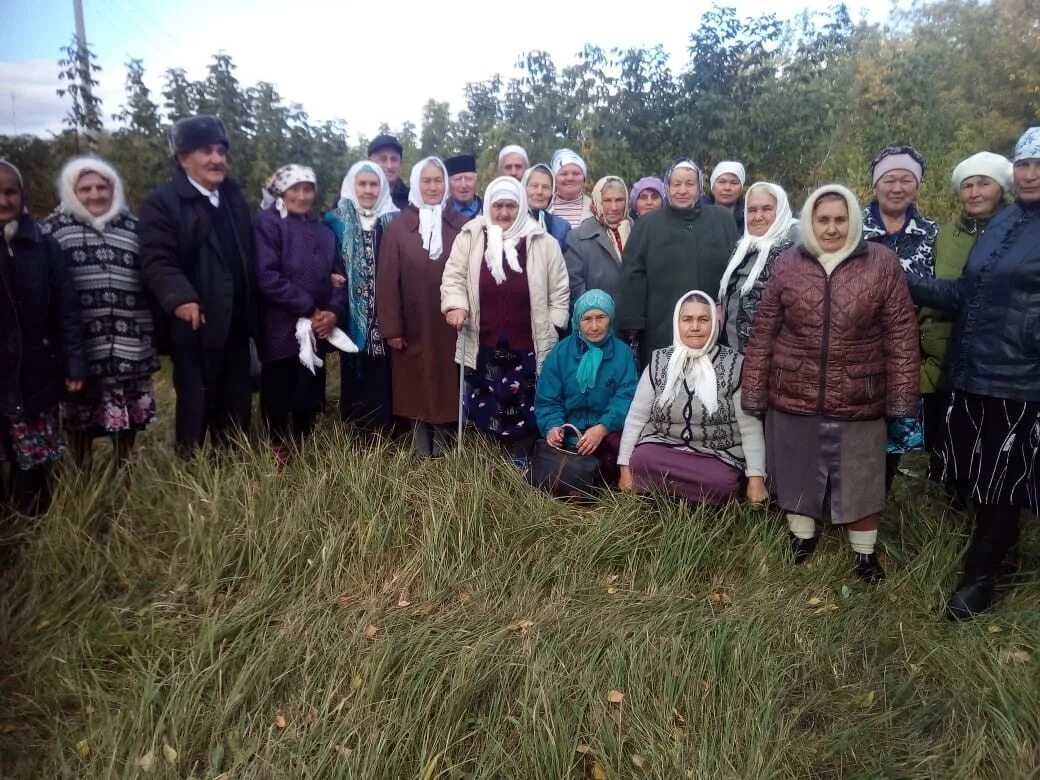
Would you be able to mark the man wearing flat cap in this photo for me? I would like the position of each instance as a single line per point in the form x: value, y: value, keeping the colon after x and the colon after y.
x: 385, y: 151
x: 197, y: 261
x: 462, y: 185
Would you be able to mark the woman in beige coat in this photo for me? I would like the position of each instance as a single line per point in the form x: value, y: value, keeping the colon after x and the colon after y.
x: 505, y: 289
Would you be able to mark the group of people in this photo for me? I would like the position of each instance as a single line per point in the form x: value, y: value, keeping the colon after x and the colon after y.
x: 802, y: 356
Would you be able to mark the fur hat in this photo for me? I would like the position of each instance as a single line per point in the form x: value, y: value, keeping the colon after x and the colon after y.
x: 194, y: 132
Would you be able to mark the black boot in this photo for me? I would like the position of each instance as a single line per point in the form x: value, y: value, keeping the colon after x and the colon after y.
x: 996, y: 529
x: 803, y: 548
x: 868, y: 568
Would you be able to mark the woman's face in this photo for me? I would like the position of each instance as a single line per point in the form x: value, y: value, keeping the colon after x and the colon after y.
x: 594, y: 325
x: 570, y: 182
x: 539, y: 190
x: 612, y: 204
x: 95, y: 193
x: 503, y: 213
x: 683, y: 188
x: 366, y: 187
x: 726, y: 190
x: 299, y: 198
x: 431, y: 184
x: 648, y: 200
x: 896, y: 191
x: 980, y: 196
x: 761, y: 212
x: 695, y: 323
x: 830, y: 223
x: 10, y: 196
x: 1027, y: 179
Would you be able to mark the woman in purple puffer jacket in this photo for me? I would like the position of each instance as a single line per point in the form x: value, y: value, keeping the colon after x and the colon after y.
x: 296, y: 258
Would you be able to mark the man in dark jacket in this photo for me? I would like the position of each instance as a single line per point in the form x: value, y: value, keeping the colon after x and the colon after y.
x: 197, y: 260
x: 386, y: 152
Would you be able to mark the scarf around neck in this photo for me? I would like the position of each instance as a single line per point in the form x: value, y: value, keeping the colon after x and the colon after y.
x: 762, y: 244
x: 430, y: 215
x: 588, y: 366
x: 501, y: 244
x: 693, y: 367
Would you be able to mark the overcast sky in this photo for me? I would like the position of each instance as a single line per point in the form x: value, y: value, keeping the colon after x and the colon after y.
x: 365, y: 63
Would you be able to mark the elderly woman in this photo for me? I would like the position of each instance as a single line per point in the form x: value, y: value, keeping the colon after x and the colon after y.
x: 359, y: 222
x: 647, y: 195
x: 833, y: 351
x: 570, y: 202
x: 726, y: 186
x: 296, y: 259
x: 770, y: 229
x: 593, y: 251
x: 683, y: 246
x: 892, y: 220
x: 981, y: 182
x: 41, y: 347
x: 540, y: 186
x: 411, y: 264
x: 512, y: 161
x: 686, y: 433
x: 991, y: 443
x: 588, y: 381
x: 98, y: 236
x: 505, y: 290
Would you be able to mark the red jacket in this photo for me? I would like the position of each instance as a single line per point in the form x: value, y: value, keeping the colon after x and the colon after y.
x: 843, y: 347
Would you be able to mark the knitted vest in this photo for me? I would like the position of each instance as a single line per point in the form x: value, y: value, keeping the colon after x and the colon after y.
x: 686, y: 423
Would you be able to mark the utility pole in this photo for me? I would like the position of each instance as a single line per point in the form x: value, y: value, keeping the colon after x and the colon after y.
x: 83, y: 55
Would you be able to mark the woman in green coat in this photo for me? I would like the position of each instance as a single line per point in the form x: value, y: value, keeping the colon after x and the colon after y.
x: 981, y: 182
x: 684, y: 246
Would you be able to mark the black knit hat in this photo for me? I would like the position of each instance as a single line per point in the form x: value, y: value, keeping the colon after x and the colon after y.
x: 461, y: 163
x: 194, y: 132
x: 384, y: 141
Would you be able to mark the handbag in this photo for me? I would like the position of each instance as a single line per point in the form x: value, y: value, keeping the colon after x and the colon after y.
x: 561, y: 472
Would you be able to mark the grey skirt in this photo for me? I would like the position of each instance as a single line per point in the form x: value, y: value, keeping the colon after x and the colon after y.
x: 807, y: 455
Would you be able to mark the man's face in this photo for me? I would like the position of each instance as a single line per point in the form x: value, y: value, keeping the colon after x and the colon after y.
x: 390, y: 161
x: 207, y: 165
x: 463, y: 186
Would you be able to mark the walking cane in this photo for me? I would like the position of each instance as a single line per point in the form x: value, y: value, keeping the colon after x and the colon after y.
x: 462, y: 390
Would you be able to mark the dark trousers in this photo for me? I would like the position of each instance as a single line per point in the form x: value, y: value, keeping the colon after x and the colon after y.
x: 27, y: 491
x: 213, y: 393
x: 291, y: 398
x: 365, y: 390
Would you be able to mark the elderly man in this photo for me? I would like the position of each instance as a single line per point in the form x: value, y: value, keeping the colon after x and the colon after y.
x: 462, y: 185
x: 512, y: 161
x: 386, y: 151
x: 197, y: 261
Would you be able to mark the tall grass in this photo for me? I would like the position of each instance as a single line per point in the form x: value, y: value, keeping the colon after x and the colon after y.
x: 364, y: 615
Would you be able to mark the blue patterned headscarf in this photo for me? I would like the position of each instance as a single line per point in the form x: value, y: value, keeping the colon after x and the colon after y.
x: 590, y: 362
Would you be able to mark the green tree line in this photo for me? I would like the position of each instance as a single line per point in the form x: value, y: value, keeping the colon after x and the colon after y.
x: 799, y: 101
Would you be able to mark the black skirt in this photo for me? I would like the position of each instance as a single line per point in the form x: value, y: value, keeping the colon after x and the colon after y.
x: 990, y: 447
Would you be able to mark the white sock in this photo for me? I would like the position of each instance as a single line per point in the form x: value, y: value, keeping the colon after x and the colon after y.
x: 801, y: 526
x: 863, y: 542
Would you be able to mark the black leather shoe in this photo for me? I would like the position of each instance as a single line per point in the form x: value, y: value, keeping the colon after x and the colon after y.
x: 868, y: 568
x: 803, y: 548
x: 971, y: 597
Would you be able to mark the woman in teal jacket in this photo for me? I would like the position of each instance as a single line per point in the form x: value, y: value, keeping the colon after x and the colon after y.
x: 588, y: 380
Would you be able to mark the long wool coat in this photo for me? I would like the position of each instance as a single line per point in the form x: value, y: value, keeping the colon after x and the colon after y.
x: 408, y: 305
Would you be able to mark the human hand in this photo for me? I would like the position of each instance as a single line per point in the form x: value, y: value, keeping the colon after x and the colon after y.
x: 190, y: 313
x: 625, y: 483
x: 554, y: 438
x: 456, y: 318
x: 591, y: 439
x: 757, y: 493
x: 397, y: 344
x: 338, y: 280
x: 323, y: 322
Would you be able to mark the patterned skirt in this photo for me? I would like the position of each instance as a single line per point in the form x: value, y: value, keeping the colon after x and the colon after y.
x: 500, y: 393
x: 29, y: 442
x: 991, y: 446
x: 105, y: 407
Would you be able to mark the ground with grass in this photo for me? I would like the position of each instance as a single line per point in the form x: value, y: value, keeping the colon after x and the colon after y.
x: 362, y: 615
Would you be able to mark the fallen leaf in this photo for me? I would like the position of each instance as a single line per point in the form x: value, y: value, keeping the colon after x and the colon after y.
x: 343, y: 750
x: 312, y: 715
x: 83, y: 748
x: 356, y: 682
x: 638, y: 760
x: 584, y: 750
x: 1020, y: 657
x: 846, y: 592
x: 425, y: 610
x: 146, y: 763
x: 615, y: 697
x: 994, y: 629
x: 598, y: 771
x: 611, y: 591
x: 279, y: 721
x: 371, y: 631
x: 216, y: 758
x: 720, y: 598
x: 465, y: 597
x: 705, y: 686
x: 867, y: 701
x: 521, y: 626
x: 43, y: 624
x: 404, y: 603
x: 169, y: 753
x: 815, y: 601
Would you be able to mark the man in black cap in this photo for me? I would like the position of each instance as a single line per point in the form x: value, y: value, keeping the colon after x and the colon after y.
x: 462, y: 185
x: 385, y: 151
x: 197, y: 261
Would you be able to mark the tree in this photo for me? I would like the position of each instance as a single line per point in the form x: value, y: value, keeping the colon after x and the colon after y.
x: 77, y: 69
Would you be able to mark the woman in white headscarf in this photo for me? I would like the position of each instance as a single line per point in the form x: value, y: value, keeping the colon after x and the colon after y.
x: 505, y: 290
x: 411, y: 263
x: 686, y: 433
x: 570, y: 202
x: 359, y: 220
x: 769, y: 229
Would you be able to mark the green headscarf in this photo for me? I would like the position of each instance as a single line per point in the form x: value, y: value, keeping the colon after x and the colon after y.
x: 593, y: 357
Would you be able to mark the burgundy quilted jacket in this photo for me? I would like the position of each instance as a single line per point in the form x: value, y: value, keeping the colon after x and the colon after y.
x: 843, y: 347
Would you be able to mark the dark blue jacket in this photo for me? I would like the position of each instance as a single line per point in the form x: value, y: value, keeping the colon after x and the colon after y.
x: 41, y: 332
x: 995, y: 349
x: 558, y: 399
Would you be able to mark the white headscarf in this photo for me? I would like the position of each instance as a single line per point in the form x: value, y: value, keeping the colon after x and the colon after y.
x: 763, y: 244
x: 69, y: 178
x: 280, y: 181
x: 501, y: 242
x: 429, y: 216
x: 691, y: 165
x: 384, y: 203
x: 693, y: 365
x: 512, y: 149
x: 562, y: 157
x: 728, y: 166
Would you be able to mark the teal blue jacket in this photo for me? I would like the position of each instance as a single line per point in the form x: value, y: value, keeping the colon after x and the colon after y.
x: 558, y: 400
